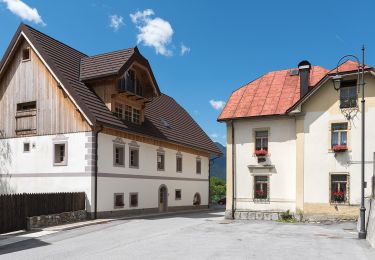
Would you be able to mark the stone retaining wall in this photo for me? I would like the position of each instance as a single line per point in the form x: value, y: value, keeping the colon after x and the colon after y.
x: 55, y: 219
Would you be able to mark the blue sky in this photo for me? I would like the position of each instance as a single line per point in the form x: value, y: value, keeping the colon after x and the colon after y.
x: 226, y: 43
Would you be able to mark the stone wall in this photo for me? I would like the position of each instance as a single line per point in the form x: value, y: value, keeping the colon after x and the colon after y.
x: 55, y: 219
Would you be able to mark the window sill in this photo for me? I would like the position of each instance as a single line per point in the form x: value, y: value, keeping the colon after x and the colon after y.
x: 332, y: 151
x: 119, y: 207
x: 119, y: 165
x: 133, y: 206
x: 161, y: 170
x: 60, y: 164
x: 339, y: 203
x: 261, y: 201
x: 133, y: 167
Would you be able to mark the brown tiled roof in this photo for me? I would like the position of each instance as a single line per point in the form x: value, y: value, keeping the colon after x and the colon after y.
x: 65, y: 62
x: 103, y: 65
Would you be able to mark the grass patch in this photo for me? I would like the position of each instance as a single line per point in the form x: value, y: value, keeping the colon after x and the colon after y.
x: 286, y: 217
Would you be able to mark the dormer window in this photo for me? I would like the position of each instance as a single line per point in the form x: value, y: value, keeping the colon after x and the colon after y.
x: 26, y: 54
x: 119, y: 112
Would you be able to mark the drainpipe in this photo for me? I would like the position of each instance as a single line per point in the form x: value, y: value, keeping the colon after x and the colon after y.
x: 97, y: 131
x: 233, y: 170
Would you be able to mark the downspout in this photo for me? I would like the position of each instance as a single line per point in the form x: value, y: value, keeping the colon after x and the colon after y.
x: 233, y: 170
x: 96, y: 172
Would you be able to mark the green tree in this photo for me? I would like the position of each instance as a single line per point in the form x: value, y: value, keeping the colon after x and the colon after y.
x: 217, y: 188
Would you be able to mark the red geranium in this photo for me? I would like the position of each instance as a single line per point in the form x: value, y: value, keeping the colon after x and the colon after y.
x: 338, y: 196
x: 261, y: 152
x: 340, y: 148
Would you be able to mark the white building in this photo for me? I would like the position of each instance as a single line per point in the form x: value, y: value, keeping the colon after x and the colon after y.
x: 291, y: 145
x: 96, y: 124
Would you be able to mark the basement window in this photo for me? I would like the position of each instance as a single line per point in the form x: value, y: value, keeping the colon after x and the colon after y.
x: 119, y: 200
x: 26, y: 54
x: 133, y: 197
x: 178, y: 194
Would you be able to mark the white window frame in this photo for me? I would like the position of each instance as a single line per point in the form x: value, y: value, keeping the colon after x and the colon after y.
x: 121, y: 146
x: 179, y: 156
x: 132, y: 148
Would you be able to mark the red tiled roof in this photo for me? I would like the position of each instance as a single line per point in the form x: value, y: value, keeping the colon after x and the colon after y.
x: 347, y: 66
x: 271, y: 94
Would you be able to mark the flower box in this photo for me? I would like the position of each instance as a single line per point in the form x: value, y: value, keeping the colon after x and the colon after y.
x: 339, y: 148
x: 338, y: 196
x: 261, y: 194
x: 261, y: 152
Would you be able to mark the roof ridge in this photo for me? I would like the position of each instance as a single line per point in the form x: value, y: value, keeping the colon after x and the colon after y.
x: 46, y: 35
x: 110, y: 52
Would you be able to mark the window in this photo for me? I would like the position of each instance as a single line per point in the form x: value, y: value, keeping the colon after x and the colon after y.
x: 118, y: 155
x: 339, y: 135
x: 119, y: 200
x: 179, y: 163
x: 26, y: 54
x: 133, y: 157
x: 339, y: 188
x: 130, y: 80
x: 261, y: 140
x: 119, y: 111
x: 26, y: 147
x: 160, y: 162
x: 133, y: 197
x: 136, y: 116
x: 261, y: 188
x: 178, y: 194
x: 26, y: 118
x: 198, y: 166
x: 348, y: 94
x: 60, y: 156
x: 128, y: 113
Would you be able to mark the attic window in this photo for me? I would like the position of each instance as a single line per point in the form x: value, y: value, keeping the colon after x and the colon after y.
x: 26, y: 54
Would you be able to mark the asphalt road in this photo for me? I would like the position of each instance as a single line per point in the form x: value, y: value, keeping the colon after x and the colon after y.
x: 196, y: 236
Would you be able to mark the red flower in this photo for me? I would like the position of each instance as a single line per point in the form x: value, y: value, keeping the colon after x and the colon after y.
x: 340, y: 147
x: 261, y: 152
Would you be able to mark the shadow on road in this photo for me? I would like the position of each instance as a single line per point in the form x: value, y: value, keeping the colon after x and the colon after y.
x: 22, y: 245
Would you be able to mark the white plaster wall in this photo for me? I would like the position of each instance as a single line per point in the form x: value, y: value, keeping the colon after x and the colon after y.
x: 15, y: 165
x: 148, y: 188
x: 319, y: 161
x: 40, y: 158
x: 148, y: 192
x: 282, y: 154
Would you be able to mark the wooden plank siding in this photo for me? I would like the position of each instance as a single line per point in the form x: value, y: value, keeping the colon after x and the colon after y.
x: 25, y: 81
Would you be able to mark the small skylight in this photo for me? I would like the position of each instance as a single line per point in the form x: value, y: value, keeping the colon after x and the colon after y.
x: 294, y: 72
x: 165, y: 123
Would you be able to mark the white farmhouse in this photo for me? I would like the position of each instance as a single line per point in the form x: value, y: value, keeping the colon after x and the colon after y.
x: 294, y: 143
x: 97, y: 124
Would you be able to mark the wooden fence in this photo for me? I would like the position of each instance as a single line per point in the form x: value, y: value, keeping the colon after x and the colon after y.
x: 14, y: 208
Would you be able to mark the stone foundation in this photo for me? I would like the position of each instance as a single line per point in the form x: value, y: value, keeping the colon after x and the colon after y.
x: 55, y: 219
x: 257, y: 215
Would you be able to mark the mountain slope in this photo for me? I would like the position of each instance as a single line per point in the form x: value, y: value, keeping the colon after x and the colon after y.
x: 218, y: 166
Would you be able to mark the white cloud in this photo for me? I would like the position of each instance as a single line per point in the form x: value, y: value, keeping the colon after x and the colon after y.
x: 214, y: 135
x: 23, y: 11
x: 184, y: 49
x: 217, y: 104
x: 153, y: 32
x: 116, y: 21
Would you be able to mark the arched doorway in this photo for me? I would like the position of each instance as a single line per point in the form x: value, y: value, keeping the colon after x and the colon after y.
x: 163, y: 198
x: 197, y: 199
